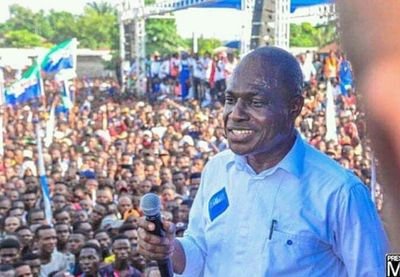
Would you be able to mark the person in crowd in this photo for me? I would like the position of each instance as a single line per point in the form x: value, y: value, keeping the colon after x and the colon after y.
x: 262, y: 101
x: 89, y: 260
x: 22, y: 270
x: 121, y: 248
x: 51, y: 260
x: 10, y: 249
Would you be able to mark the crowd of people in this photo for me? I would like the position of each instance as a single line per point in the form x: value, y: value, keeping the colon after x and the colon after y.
x: 112, y: 147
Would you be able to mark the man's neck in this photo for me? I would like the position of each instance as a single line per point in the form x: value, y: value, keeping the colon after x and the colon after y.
x: 121, y: 265
x: 45, y: 257
x: 262, y: 161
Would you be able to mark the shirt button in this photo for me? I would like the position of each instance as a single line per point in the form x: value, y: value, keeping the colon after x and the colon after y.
x: 289, y: 242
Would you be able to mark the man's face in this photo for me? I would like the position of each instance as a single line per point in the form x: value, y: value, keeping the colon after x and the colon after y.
x: 5, y: 205
x: 89, y: 260
x: 121, y: 249
x: 75, y: 242
x: 63, y: 233
x: 178, y: 180
x: 47, y: 240
x: 98, y: 213
x: 25, y: 236
x: 23, y: 271
x: 38, y: 218
x: 124, y: 205
x: 35, y: 266
x: 183, y: 213
x: 104, y: 239
x: 29, y: 200
x: 256, y: 113
x: 104, y: 196
x: 11, y: 224
x: 132, y: 236
x: 63, y: 217
x: 59, y: 202
x: 9, y: 255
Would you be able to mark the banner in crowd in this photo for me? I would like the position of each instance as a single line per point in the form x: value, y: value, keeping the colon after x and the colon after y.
x: 61, y: 56
x: 25, y: 89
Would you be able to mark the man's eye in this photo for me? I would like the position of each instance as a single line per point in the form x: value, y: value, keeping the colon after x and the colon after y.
x: 258, y: 103
x: 229, y: 100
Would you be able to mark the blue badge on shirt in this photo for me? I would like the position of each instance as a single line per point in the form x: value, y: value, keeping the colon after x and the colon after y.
x: 218, y: 204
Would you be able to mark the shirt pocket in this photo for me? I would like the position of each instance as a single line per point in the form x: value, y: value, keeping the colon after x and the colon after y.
x: 297, y: 250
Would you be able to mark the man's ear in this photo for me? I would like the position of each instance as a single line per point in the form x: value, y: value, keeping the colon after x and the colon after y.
x: 296, y: 104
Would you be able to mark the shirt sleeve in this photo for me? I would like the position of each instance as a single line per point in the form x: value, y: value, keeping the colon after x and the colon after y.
x: 193, y: 242
x: 360, y: 240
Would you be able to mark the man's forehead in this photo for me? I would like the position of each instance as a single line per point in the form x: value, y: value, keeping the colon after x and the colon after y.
x: 88, y: 251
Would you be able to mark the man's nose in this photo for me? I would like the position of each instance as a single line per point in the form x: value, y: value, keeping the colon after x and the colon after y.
x: 238, y: 112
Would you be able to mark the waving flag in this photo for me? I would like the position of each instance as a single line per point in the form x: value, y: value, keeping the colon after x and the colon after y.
x: 25, y: 89
x: 61, y: 56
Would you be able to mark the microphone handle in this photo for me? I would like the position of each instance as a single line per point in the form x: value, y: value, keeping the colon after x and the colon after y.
x: 164, y: 266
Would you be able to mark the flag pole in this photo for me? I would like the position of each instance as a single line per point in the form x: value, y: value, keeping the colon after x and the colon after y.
x: 42, y: 171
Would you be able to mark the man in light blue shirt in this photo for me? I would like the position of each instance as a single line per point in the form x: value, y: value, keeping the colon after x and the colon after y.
x: 272, y: 205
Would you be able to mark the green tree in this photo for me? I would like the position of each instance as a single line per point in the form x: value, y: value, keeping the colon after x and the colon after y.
x: 23, y: 39
x: 162, y: 36
x: 97, y: 31
x: 306, y: 35
x: 65, y: 26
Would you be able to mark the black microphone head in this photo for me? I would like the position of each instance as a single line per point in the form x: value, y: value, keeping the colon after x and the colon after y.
x: 150, y: 204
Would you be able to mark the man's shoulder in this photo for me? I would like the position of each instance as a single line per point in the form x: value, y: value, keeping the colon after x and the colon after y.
x: 222, y: 158
x: 327, y: 170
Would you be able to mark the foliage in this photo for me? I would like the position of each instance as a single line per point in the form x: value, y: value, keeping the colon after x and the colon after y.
x: 306, y: 35
x: 96, y: 28
x: 161, y: 36
x: 22, y: 39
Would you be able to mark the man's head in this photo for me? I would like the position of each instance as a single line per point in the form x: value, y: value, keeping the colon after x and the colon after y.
x: 89, y: 259
x: 75, y: 241
x: 99, y: 211
x: 25, y: 235
x: 103, y: 238
x: 5, y: 205
x: 9, y: 251
x: 63, y: 232
x: 59, y: 201
x: 36, y: 216
x: 130, y: 231
x: 62, y: 216
x: 124, y: 204
x: 7, y: 270
x: 33, y: 261
x: 121, y: 248
x: 29, y: 198
x: 11, y: 224
x: 46, y: 238
x: 263, y: 98
x: 22, y: 270
x: 60, y: 188
x: 104, y: 195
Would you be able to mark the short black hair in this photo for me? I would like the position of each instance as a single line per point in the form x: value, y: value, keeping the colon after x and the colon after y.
x: 30, y: 257
x: 127, y: 227
x: 42, y: 228
x: 119, y: 237
x: 19, y: 264
x: 22, y: 227
x: 92, y: 246
x: 6, y: 267
x: 10, y: 243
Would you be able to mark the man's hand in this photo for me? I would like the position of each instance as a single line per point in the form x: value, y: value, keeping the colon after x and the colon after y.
x: 154, y: 247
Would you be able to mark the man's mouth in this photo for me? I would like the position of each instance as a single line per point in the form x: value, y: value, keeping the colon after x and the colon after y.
x: 239, y: 134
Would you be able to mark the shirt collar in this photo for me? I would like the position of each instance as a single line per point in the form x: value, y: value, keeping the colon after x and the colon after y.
x: 291, y: 163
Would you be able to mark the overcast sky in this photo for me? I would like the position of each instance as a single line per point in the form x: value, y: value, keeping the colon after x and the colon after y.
x: 224, y: 24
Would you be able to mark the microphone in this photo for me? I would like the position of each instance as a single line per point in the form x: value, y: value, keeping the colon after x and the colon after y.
x: 150, y: 205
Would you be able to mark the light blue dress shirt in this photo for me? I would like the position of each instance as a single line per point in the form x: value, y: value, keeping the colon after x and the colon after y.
x: 307, y: 216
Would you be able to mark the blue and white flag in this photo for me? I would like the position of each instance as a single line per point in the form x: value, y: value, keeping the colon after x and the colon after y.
x: 25, y: 89
x: 42, y: 176
x: 61, y: 56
